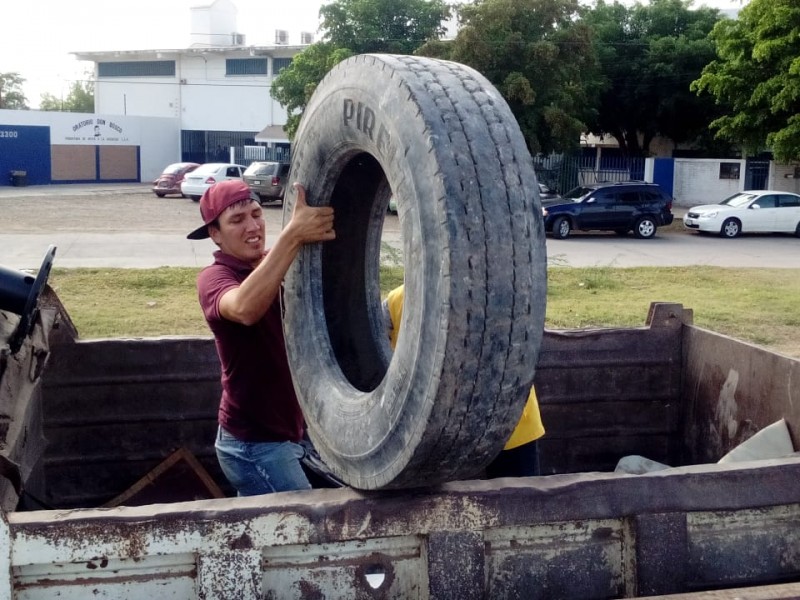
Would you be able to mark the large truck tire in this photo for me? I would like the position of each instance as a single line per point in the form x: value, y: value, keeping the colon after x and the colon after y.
x: 438, y: 136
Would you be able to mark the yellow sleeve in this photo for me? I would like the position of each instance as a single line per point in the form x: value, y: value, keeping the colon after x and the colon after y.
x: 394, y: 303
x: 530, y: 425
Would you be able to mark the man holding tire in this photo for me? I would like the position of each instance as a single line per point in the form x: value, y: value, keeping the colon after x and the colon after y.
x: 260, y: 421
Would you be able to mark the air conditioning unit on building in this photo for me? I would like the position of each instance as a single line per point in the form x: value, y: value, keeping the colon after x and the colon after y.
x: 306, y: 37
x: 281, y: 36
x: 237, y: 39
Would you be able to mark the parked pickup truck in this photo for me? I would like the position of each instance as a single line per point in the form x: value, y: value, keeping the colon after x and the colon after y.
x: 83, y: 421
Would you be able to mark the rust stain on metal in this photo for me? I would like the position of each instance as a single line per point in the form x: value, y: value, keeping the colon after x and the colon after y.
x: 102, y: 560
x: 128, y: 579
x: 309, y: 591
x: 243, y: 542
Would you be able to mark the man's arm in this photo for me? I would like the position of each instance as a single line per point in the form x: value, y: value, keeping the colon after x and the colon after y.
x: 250, y: 301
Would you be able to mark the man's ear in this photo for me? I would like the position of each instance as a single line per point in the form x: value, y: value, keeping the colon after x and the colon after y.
x: 214, y: 233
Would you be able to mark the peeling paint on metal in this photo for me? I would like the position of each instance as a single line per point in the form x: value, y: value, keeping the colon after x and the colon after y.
x: 726, y: 405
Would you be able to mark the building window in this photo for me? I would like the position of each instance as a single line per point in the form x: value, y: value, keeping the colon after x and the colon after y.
x: 246, y: 66
x: 279, y: 64
x: 142, y: 68
x: 729, y: 170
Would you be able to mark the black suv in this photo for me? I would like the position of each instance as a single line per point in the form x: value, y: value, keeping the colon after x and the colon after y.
x: 620, y: 207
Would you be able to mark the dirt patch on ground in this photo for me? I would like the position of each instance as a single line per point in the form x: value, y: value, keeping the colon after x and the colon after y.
x: 127, y: 210
x: 107, y: 212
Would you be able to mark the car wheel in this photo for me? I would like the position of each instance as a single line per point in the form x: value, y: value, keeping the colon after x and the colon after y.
x: 645, y: 228
x: 443, y: 404
x: 797, y: 230
x: 731, y: 228
x: 160, y: 194
x: 561, y: 228
x: 195, y: 198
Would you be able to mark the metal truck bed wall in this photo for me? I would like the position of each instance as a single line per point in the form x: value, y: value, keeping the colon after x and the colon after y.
x: 562, y: 536
x: 113, y: 409
x: 670, y: 391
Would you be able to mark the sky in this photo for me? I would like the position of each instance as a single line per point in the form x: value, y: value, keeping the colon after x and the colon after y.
x: 38, y: 36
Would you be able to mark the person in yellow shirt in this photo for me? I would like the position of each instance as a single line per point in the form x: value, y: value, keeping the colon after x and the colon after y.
x: 520, y: 455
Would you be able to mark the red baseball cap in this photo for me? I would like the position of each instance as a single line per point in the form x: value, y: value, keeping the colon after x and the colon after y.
x: 215, y: 200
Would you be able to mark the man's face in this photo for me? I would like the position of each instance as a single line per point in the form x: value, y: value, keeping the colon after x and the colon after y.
x: 241, y: 231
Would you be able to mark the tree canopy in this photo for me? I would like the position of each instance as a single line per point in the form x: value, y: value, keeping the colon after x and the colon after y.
x: 630, y: 72
x: 11, y: 95
x: 388, y: 26
x: 539, y: 55
x: 79, y: 99
x: 650, y: 54
x: 355, y: 27
x: 295, y: 84
x: 757, y: 72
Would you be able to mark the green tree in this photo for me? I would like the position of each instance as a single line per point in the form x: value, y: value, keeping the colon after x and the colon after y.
x: 388, y: 26
x: 79, y: 99
x: 650, y: 54
x: 11, y: 95
x: 757, y: 72
x: 540, y: 57
x: 295, y: 84
x: 355, y: 27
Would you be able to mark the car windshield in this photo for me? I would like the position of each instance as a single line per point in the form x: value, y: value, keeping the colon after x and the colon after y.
x: 261, y: 169
x: 739, y: 200
x: 578, y: 194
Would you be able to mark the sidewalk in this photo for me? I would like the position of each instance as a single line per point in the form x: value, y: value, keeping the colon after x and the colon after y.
x: 90, y: 250
x: 74, y: 189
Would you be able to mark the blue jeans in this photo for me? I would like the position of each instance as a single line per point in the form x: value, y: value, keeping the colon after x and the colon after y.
x: 260, y: 467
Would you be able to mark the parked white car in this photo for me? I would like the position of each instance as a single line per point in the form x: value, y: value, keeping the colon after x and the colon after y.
x: 754, y: 211
x: 204, y: 176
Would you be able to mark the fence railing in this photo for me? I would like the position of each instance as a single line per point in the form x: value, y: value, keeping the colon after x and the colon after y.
x: 244, y: 155
x: 562, y: 172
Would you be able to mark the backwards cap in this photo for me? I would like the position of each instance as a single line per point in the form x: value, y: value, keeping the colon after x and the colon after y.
x: 215, y: 200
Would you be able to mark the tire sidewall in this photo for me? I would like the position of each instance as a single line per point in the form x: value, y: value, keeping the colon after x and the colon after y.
x: 725, y: 228
x: 638, y: 228
x: 557, y: 228
x: 376, y: 433
x: 324, y: 142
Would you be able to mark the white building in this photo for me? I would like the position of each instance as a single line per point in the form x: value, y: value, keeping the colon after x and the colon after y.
x: 218, y: 88
x: 208, y: 102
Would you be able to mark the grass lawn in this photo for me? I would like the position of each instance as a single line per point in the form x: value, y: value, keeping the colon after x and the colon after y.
x: 758, y: 305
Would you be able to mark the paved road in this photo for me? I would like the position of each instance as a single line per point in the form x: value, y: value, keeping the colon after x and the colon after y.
x: 125, y: 225
x: 675, y: 249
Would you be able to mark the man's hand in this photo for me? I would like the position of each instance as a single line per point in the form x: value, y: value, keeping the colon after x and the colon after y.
x: 310, y: 223
x: 250, y: 301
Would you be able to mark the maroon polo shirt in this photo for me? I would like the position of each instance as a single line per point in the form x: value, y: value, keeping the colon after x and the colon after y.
x: 258, y: 400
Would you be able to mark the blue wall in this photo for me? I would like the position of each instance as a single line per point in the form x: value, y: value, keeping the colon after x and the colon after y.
x: 664, y: 173
x: 25, y: 148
